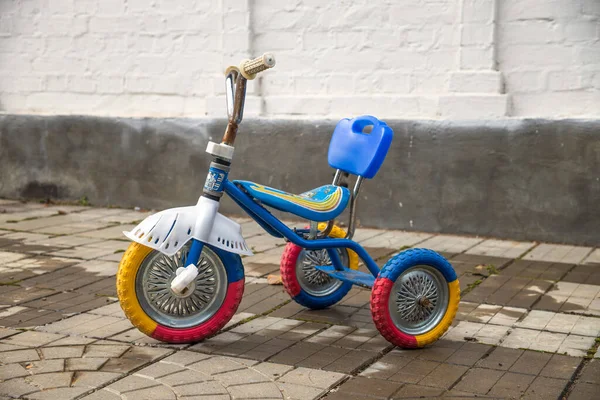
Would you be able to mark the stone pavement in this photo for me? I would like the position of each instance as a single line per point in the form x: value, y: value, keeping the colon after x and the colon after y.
x: 528, y: 324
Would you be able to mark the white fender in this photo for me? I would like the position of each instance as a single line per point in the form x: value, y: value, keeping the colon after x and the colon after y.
x: 168, y: 230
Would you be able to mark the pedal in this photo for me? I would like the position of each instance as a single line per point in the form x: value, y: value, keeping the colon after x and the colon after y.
x: 348, y: 275
x: 184, y: 277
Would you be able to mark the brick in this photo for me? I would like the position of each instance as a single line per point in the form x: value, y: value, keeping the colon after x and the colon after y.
x: 490, y: 106
x: 477, y: 58
x: 476, y: 81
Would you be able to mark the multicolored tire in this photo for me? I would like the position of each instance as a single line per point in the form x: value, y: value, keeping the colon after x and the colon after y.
x: 405, y: 308
x: 131, y: 296
x: 300, y: 289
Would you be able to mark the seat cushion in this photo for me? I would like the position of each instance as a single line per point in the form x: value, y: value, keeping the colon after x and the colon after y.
x: 320, y: 204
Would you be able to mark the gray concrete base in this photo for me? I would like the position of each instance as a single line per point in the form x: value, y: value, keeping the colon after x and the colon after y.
x: 519, y: 179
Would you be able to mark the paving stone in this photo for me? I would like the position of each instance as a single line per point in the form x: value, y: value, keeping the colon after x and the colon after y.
x: 591, y: 372
x: 84, y: 364
x: 33, y: 339
x: 58, y: 393
x: 352, y: 361
x: 375, y: 388
x: 435, y: 353
x: 584, y: 391
x: 6, y: 257
x: 511, y: 385
x: 17, y: 295
x: 536, y: 319
x: 575, y: 345
x: 537, y: 270
x: 216, y: 365
x: 132, y: 383
x: 482, y: 313
x: 93, y: 379
x: 500, y: 358
x: 462, y: 330
x: 257, y: 391
x: 67, y: 325
x: 187, y: 376
x: 562, y: 323
x: 337, y: 395
x: 521, y: 338
x: 548, y: 341
x: 72, y: 341
x: 362, y: 234
x: 589, y: 273
x: 294, y: 391
x: 44, y: 366
x: 545, y: 388
x: 418, y: 392
x: 271, y: 370
x: 16, y: 387
x: 396, y: 239
x: 560, y: 367
x: 414, y: 371
x: 387, y: 366
x: 62, y: 352
x: 450, y: 243
x: 12, y: 371
x: 479, y: 380
x: 158, y: 370
x: 305, y: 376
x: 10, y: 357
x: 6, y: 332
x: 530, y: 362
x: 51, y: 380
x: 444, y: 376
x: 491, y: 334
x: 558, y: 253
x: 114, y: 232
x: 501, y: 248
x: 184, y: 358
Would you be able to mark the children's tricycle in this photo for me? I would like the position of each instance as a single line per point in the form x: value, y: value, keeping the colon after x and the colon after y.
x: 182, y: 279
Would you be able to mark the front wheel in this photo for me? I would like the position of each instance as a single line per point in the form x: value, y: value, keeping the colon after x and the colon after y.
x: 415, y: 298
x: 144, y: 290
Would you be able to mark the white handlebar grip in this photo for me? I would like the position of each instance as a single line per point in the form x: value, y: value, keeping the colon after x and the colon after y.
x: 250, y: 68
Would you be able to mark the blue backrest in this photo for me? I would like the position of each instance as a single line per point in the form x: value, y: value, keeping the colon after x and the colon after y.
x: 358, y: 152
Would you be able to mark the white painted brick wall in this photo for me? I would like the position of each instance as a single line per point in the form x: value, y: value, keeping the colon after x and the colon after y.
x: 549, y: 55
x: 402, y: 59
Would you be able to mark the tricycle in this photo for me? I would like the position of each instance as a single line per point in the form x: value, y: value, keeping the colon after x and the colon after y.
x: 182, y: 278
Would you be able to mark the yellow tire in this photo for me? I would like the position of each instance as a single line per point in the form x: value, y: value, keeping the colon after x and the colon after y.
x: 415, y: 298
x: 143, y: 287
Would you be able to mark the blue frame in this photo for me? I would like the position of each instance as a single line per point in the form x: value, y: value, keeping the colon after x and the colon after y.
x: 278, y: 229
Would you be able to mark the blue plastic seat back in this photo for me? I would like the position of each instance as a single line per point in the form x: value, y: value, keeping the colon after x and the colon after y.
x: 357, y: 152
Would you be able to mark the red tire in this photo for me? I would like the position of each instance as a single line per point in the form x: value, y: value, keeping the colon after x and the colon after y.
x: 314, y: 297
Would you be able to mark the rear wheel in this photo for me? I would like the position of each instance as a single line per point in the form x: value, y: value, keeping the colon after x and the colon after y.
x: 144, y: 290
x: 415, y: 298
x: 307, y: 285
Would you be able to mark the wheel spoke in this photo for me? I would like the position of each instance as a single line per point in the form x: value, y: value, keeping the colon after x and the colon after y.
x: 416, y: 299
x: 203, y: 296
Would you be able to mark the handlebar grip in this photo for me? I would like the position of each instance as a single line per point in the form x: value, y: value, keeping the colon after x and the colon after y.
x: 250, y: 68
